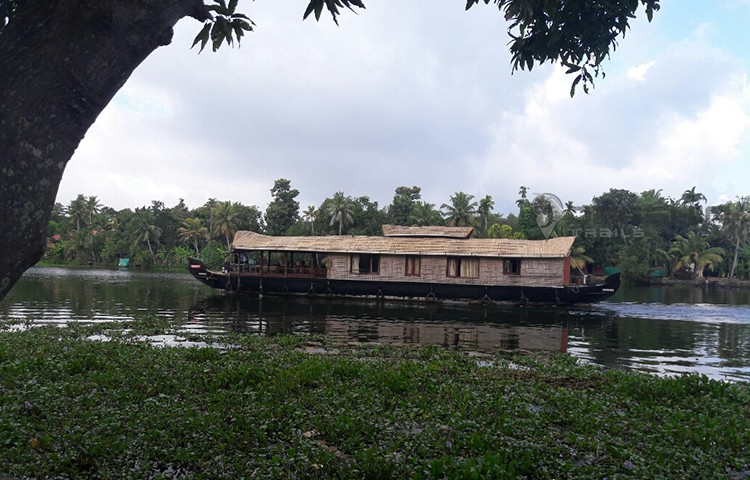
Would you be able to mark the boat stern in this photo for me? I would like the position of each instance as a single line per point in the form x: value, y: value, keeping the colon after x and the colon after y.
x: 197, y: 268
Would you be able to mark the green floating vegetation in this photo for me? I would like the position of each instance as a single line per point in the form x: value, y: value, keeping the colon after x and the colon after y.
x: 299, y: 407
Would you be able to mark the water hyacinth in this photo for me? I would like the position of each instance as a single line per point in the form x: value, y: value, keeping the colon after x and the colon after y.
x: 302, y: 407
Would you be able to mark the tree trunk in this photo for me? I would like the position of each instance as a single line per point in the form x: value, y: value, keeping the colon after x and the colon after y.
x: 734, y: 262
x: 61, y: 62
x: 150, y: 250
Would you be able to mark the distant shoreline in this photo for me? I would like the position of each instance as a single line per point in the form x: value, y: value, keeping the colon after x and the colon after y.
x: 706, y: 282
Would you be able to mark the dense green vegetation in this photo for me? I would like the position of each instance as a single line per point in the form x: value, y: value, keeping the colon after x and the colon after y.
x: 638, y: 233
x: 297, y: 407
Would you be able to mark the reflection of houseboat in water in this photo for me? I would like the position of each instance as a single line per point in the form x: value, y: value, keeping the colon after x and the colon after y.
x: 431, y: 263
x: 481, y: 338
x: 490, y: 329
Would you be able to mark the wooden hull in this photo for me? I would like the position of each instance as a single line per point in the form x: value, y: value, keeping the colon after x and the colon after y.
x: 252, y: 283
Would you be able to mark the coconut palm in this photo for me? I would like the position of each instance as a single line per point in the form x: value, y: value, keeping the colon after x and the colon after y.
x: 309, y: 215
x: 691, y: 197
x: 579, y: 259
x: 93, y: 207
x: 340, y: 211
x: 486, y: 205
x: 694, y: 252
x: 461, y: 211
x: 77, y: 212
x: 225, y: 218
x: 146, y: 230
x: 570, y: 208
x: 193, y: 231
x: 735, y: 224
x: 424, y: 214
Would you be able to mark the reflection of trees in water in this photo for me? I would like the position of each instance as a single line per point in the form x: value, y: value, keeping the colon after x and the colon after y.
x: 687, y: 294
x: 734, y: 343
x: 90, y: 293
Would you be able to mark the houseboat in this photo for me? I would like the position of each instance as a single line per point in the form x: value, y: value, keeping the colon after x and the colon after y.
x: 430, y: 263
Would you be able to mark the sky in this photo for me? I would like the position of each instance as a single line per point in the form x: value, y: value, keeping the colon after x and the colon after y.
x: 422, y: 93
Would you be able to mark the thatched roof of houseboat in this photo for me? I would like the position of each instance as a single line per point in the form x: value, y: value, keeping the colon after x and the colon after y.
x: 407, y: 245
x: 447, y: 232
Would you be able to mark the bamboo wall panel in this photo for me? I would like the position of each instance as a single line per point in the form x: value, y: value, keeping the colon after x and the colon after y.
x: 534, y: 271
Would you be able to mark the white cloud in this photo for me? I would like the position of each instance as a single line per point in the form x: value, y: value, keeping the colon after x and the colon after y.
x: 409, y: 94
x: 639, y: 71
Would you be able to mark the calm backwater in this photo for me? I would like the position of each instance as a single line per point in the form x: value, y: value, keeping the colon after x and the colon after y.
x: 662, y: 330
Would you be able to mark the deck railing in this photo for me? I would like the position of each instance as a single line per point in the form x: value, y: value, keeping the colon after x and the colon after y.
x: 280, y: 270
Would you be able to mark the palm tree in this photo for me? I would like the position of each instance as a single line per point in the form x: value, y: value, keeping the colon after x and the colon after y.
x: 209, y: 206
x: 340, y: 210
x: 735, y: 221
x: 579, y: 259
x: 193, y: 230
x: 461, y: 211
x: 486, y: 205
x: 570, y: 208
x: 309, y: 215
x: 77, y: 211
x: 423, y: 214
x: 691, y: 197
x: 225, y: 218
x: 694, y: 252
x: 93, y: 207
x: 146, y: 230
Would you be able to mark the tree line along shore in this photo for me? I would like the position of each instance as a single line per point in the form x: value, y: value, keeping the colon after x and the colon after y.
x: 647, y: 236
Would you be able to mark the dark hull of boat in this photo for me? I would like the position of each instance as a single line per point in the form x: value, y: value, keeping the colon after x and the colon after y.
x: 245, y: 283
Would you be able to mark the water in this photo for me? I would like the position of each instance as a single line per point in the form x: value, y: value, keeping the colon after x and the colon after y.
x: 663, y: 330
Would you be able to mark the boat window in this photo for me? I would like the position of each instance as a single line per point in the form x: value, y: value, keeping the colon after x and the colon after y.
x: 463, y: 267
x: 512, y: 266
x: 365, y: 263
x: 413, y: 266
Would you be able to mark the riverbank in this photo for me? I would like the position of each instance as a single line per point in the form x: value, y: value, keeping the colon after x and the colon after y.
x: 103, y: 266
x: 299, y: 407
x: 710, y: 282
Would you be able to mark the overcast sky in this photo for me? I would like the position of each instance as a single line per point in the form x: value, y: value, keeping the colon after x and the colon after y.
x: 421, y: 93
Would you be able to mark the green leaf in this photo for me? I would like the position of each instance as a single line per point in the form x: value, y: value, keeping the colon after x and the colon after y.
x: 238, y: 32
x: 202, y: 36
x: 244, y: 25
x: 310, y: 8
x: 573, y: 87
x: 226, y: 30
x: 217, y: 34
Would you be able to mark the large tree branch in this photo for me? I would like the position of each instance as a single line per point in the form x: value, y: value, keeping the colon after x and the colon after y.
x: 61, y: 62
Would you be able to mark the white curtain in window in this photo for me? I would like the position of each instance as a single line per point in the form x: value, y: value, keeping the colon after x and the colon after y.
x: 453, y: 267
x: 470, y: 267
x: 355, y: 263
